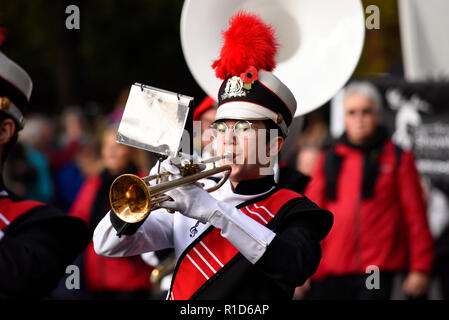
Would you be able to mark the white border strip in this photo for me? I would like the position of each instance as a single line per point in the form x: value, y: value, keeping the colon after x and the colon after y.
x: 205, y: 261
x: 255, y: 213
x: 262, y: 207
x: 210, y: 252
x: 3, y: 218
x: 197, y: 266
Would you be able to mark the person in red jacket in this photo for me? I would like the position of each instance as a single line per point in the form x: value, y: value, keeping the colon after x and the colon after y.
x: 110, y: 278
x: 373, y: 189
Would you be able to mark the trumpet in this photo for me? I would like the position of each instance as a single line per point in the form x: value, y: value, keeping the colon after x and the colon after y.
x: 133, y: 198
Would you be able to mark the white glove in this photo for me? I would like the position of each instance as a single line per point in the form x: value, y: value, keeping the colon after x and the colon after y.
x: 192, y: 201
x: 168, y: 166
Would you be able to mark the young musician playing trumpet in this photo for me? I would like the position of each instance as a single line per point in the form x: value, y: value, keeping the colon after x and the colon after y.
x: 255, y: 239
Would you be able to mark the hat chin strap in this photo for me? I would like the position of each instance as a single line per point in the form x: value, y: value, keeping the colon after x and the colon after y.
x: 10, y: 108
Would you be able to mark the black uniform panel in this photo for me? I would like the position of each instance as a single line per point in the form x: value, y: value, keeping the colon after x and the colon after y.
x: 35, y: 250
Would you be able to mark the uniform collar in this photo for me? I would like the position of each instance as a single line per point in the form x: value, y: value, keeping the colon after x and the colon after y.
x: 255, y: 186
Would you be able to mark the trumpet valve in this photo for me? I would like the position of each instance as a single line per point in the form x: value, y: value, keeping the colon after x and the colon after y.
x: 189, y: 168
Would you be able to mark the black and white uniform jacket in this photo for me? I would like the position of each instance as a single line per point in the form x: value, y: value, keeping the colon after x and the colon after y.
x: 266, y: 262
x: 37, y: 243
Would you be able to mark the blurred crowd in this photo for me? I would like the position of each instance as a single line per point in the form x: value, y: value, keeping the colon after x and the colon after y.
x: 70, y: 161
x: 55, y: 155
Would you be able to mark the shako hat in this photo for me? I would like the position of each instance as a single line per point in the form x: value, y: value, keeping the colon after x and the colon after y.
x: 250, y: 91
x: 15, y: 88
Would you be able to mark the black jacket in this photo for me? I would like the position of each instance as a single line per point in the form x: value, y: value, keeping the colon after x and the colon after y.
x: 35, y: 249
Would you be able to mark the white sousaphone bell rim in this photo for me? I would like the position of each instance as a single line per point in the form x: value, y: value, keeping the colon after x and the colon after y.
x: 331, y: 36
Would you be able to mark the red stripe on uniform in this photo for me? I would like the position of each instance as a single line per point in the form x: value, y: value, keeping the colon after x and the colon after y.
x: 219, y: 246
x: 213, y: 252
x: 190, y: 275
x: 11, y: 210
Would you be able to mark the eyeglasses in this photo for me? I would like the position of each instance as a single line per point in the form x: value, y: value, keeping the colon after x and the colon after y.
x: 241, y: 128
x: 364, y: 112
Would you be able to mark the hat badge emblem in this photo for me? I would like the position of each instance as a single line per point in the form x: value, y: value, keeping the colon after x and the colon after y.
x: 234, y: 88
x: 4, y: 103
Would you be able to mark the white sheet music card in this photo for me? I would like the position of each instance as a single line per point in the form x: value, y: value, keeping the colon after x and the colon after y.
x: 154, y: 120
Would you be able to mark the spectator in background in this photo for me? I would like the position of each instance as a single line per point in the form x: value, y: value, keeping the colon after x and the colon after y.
x: 373, y: 189
x: 43, y: 189
x: 64, y: 163
x: 48, y: 155
x: 88, y: 159
x: 204, y: 115
x: 310, y: 144
x: 306, y: 159
x: 61, y: 152
x: 110, y: 278
x: 296, y: 171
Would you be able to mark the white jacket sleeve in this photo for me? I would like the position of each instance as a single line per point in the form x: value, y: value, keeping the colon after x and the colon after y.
x: 156, y: 233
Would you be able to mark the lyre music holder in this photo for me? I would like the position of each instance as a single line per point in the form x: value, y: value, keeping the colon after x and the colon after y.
x: 154, y: 120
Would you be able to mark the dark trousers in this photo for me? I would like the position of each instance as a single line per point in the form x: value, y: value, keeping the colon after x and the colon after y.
x: 350, y: 287
x: 441, y: 263
x: 441, y: 266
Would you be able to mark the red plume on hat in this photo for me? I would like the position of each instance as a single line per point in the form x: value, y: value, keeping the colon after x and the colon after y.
x: 248, y: 43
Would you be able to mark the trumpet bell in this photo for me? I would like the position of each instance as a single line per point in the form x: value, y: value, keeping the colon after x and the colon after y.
x: 130, y: 198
